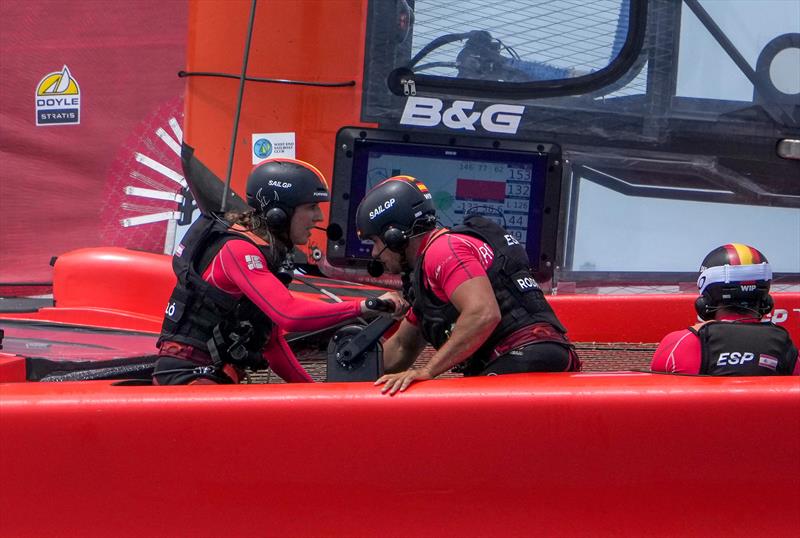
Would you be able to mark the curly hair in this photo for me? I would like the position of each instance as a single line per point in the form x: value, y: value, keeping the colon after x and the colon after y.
x: 251, y: 221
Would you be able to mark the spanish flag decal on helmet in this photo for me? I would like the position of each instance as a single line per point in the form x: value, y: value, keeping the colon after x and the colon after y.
x: 740, y: 254
x: 420, y: 186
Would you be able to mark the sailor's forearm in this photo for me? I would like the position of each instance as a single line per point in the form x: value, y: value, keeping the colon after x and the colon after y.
x: 397, y: 356
x: 470, y: 331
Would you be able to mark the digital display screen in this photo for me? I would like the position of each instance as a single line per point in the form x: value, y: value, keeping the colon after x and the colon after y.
x: 504, y: 186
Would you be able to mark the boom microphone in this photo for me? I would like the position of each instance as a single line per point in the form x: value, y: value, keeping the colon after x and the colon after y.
x: 375, y: 268
x: 334, y: 231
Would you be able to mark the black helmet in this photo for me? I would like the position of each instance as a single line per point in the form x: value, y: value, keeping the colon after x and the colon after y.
x: 735, y: 276
x: 395, y: 210
x: 276, y: 186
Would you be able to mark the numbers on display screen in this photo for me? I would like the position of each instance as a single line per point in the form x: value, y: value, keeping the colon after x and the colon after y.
x: 519, y: 174
x: 484, y: 167
x: 515, y: 220
x: 518, y: 189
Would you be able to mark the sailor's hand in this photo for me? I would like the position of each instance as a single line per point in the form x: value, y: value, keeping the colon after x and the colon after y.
x: 401, y: 381
x: 401, y: 306
x: 391, y: 303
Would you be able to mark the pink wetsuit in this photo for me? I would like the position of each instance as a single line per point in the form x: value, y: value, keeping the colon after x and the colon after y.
x: 239, y: 268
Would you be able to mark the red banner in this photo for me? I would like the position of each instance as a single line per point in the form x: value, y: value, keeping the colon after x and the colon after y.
x: 92, y: 110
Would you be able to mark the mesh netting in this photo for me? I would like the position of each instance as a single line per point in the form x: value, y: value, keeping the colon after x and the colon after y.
x: 596, y: 357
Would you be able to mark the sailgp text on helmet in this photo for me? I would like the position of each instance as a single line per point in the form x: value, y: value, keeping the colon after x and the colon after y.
x: 395, y: 210
x: 276, y: 187
x: 734, y: 276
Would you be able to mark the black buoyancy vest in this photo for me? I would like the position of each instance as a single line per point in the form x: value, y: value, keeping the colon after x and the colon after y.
x: 200, y: 314
x: 730, y: 348
x: 519, y: 297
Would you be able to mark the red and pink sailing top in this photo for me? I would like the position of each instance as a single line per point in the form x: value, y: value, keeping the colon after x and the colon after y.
x: 239, y: 268
x: 451, y: 260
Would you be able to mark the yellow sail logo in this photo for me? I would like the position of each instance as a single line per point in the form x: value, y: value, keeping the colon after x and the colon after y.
x: 58, y: 99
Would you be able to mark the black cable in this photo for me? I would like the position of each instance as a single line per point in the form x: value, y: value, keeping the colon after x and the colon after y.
x: 242, y: 79
x: 435, y: 44
x: 434, y: 65
x: 183, y: 74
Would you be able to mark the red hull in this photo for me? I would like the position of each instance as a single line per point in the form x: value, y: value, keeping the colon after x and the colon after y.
x: 524, y: 455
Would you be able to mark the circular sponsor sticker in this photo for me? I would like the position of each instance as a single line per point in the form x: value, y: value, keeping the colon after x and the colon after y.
x: 262, y: 148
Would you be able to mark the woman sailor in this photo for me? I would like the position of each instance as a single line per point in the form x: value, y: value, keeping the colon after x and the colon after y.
x: 231, y: 304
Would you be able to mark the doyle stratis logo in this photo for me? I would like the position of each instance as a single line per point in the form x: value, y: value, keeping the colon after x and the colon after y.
x: 58, y: 99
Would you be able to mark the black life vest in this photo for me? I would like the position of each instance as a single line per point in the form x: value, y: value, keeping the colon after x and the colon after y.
x: 198, y: 314
x: 519, y: 297
x: 731, y: 348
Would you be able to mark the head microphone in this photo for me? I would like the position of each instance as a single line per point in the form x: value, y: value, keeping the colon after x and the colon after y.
x: 375, y: 268
x: 334, y: 231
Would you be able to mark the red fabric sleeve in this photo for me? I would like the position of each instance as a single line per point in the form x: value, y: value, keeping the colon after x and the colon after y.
x: 678, y: 352
x: 452, y: 259
x: 283, y: 361
x: 239, y: 267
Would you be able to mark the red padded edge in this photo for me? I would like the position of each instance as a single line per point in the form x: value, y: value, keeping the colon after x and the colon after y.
x: 12, y: 368
x: 548, y: 454
x: 120, y: 288
x: 647, y: 318
x: 113, y: 279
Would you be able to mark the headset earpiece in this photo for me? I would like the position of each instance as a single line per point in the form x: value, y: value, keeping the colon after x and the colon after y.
x: 766, y: 305
x: 276, y: 218
x: 702, y: 307
x: 395, y: 239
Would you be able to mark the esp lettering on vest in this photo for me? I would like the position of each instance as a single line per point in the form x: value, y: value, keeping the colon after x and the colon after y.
x: 734, y: 358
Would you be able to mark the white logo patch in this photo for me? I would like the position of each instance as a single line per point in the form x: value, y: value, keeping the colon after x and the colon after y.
x: 58, y: 99
x: 253, y: 262
x: 428, y: 112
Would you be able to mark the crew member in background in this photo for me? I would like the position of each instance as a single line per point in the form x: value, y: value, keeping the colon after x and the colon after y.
x: 472, y: 293
x: 733, y: 339
x: 231, y: 304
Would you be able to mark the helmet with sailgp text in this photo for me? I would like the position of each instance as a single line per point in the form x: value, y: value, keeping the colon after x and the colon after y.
x: 276, y: 187
x: 395, y: 210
